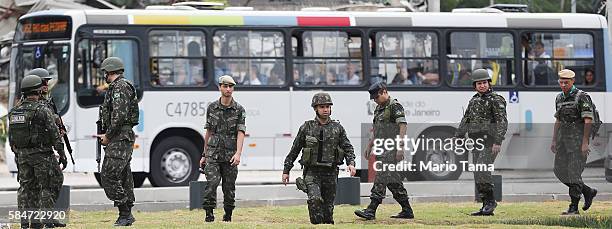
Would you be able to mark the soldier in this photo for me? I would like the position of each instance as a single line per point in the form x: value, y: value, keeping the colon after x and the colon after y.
x: 57, y: 177
x: 324, y: 146
x: 32, y: 136
x: 225, y: 129
x: 484, y: 118
x: 389, y: 122
x: 570, y: 144
x: 119, y: 113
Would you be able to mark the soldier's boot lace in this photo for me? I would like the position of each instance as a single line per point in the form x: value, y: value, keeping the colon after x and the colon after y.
x: 406, y: 212
x: 368, y: 214
x: 573, y: 208
x: 588, y: 199
x: 210, y: 216
x: 227, y: 217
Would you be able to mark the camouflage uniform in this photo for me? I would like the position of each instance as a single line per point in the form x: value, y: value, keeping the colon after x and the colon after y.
x: 569, y: 161
x: 119, y: 113
x: 323, y: 147
x: 387, y: 118
x: 484, y: 118
x: 33, y: 135
x: 56, y: 178
x: 224, y: 123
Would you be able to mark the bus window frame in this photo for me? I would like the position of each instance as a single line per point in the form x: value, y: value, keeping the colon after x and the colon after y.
x: 138, y: 76
x: 447, y: 45
x: 213, y: 58
x: 598, y: 71
x: 205, y: 60
x: 372, y: 37
x: 297, y: 32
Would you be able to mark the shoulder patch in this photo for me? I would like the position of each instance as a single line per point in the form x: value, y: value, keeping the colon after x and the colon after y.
x: 116, y: 95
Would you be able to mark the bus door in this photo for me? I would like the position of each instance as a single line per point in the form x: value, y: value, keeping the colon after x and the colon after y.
x: 91, y: 88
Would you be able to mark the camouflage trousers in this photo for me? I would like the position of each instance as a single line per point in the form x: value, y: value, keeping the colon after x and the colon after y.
x: 391, y: 180
x: 484, y: 179
x: 569, y: 165
x: 321, y: 187
x: 215, y: 173
x: 116, y: 175
x: 40, y: 181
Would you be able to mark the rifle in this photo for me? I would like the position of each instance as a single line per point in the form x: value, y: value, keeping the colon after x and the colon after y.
x: 99, y: 143
x: 62, y: 127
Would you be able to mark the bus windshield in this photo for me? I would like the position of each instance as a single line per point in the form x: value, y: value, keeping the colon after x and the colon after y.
x: 51, y: 56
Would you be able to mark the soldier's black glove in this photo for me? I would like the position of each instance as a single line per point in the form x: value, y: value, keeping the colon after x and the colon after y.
x: 63, y: 161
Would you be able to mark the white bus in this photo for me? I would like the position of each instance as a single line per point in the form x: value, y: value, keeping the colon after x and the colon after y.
x: 280, y: 59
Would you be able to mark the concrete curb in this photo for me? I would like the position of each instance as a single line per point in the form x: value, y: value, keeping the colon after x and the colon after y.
x: 153, y: 206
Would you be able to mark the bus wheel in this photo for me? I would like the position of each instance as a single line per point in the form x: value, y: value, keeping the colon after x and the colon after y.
x: 139, y: 178
x: 174, y: 162
x: 435, y: 156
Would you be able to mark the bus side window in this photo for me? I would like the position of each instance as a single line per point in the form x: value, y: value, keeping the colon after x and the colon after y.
x: 252, y: 57
x: 326, y: 58
x: 405, y: 58
x: 177, y: 58
x: 493, y: 51
x: 543, y: 55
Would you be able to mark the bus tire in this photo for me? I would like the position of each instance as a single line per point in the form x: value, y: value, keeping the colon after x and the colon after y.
x: 438, y: 156
x: 174, y: 162
x: 139, y: 178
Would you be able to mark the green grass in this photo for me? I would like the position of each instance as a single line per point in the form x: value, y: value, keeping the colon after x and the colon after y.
x: 428, y: 215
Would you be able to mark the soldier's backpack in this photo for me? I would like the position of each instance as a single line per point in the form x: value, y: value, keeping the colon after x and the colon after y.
x: 596, y: 124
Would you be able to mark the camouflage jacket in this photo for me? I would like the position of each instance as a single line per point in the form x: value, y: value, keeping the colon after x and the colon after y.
x: 39, y: 134
x: 386, y: 125
x: 485, y: 114
x: 329, y: 142
x: 387, y: 118
x: 119, y: 111
x: 224, y: 123
x: 572, y: 110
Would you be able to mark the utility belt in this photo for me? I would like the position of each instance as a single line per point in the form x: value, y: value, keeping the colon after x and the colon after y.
x: 34, y: 150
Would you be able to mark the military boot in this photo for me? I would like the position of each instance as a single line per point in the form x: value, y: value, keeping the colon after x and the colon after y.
x: 489, y: 207
x: 25, y: 223
x: 210, y: 216
x: 479, y: 212
x: 125, y: 216
x: 54, y: 223
x: 227, y: 217
x: 588, y: 199
x: 406, y: 212
x: 573, y: 208
x: 370, y: 212
x: 36, y: 225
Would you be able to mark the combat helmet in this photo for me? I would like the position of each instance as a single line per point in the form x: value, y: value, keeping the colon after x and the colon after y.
x: 112, y: 64
x: 40, y: 72
x: 321, y: 98
x: 480, y: 74
x: 30, y: 83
